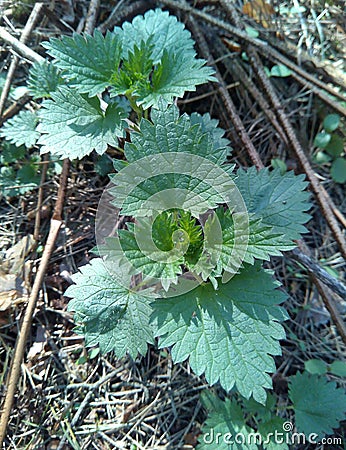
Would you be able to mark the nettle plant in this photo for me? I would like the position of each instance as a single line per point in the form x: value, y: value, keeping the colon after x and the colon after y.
x: 182, y: 235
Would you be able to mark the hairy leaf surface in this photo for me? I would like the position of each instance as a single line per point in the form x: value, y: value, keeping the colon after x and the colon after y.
x: 164, y: 31
x: 278, y: 200
x: 169, y: 132
x: 21, y: 129
x: 44, y: 78
x: 110, y: 315
x: 228, y: 334
x: 72, y: 125
x: 88, y: 61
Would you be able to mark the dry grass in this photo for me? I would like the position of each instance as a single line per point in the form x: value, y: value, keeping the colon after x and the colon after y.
x: 72, y: 398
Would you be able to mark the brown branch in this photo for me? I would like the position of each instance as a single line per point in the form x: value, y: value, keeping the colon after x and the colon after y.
x: 19, y: 47
x: 266, y: 51
x: 229, y: 105
x: 14, y: 373
x: 14, y: 108
x: 90, y: 20
x: 24, y: 37
x: 40, y: 198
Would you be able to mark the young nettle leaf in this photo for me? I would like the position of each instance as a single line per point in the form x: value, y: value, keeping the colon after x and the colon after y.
x: 109, y: 314
x: 72, y: 125
x: 21, y: 129
x: 228, y: 427
x: 278, y: 200
x: 225, y: 421
x: 134, y: 72
x: 44, y: 78
x: 167, y: 131
x: 261, y: 242
x: 162, y: 65
x: 319, y: 405
x: 163, y: 30
x: 174, y: 75
x: 88, y: 62
x: 228, y: 334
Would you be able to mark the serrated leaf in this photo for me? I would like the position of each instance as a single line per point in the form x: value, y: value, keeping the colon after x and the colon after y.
x: 338, y: 170
x: 111, y: 315
x: 144, y: 259
x: 319, y: 405
x: 331, y: 122
x: 228, y: 334
x: 161, y: 192
x: 278, y: 200
x: 88, y: 61
x: 174, y: 75
x: 225, y: 421
x: 165, y: 32
x: 169, y: 132
x: 253, y: 240
x: 21, y: 129
x: 44, y: 78
x: 73, y: 125
x: 210, y: 126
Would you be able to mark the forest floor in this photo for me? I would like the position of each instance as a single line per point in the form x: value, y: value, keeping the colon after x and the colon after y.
x: 70, y: 397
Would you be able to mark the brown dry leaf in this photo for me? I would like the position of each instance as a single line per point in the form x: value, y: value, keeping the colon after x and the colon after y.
x: 15, y: 256
x: 259, y: 10
x: 6, y: 299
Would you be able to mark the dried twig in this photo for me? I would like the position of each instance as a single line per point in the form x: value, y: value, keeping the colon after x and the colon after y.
x: 19, y: 47
x: 40, y: 198
x: 268, y: 52
x: 229, y: 105
x: 90, y: 21
x: 24, y: 37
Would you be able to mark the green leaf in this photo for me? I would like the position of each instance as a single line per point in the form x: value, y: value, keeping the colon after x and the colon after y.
x: 278, y: 163
x: 338, y: 170
x: 331, y: 122
x: 338, y: 368
x: 316, y: 366
x: 225, y: 421
x: 280, y: 71
x: 135, y: 71
x: 88, y: 61
x: 335, y: 146
x: 72, y: 125
x: 163, y: 30
x: 21, y: 129
x: 318, y: 404
x: 174, y: 75
x: 261, y: 242
x: 278, y: 200
x: 44, y: 78
x: 169, y: 132
x: 322, y: 158
x: 110, y: 315
x: 11, y: 153
x: 144, y: 259
x: 252, y: 32
x: 322, y: 140
x: 228, y: 334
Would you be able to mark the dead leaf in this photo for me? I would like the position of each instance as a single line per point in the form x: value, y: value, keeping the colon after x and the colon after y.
x: 260, y: 11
